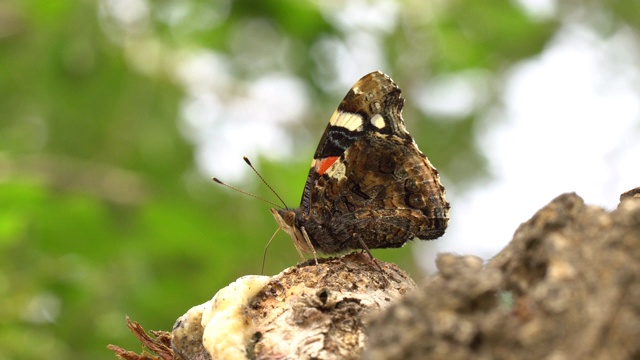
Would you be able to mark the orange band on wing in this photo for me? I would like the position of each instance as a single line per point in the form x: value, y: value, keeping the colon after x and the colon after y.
x: 322, y: 165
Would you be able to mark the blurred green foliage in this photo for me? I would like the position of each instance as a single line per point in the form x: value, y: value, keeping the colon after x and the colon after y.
x: 102, y: 209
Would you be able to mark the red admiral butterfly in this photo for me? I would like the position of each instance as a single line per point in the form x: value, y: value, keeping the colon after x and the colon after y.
x: 369, y: 185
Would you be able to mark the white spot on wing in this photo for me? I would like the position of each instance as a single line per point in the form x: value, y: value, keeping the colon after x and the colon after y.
x: 378, y: 121
x: 347, y: 120
x: 337, y: 170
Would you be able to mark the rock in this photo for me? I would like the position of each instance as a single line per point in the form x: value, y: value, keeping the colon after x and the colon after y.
x: 307, y: 311
x: 566, y: 287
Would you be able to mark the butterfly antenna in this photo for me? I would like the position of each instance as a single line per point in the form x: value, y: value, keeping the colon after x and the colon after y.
x: 246, y: 159
x: 244, y: 192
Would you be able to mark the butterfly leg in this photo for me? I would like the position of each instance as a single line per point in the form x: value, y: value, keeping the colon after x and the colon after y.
x: 366, y: 248
x: 306, y: 238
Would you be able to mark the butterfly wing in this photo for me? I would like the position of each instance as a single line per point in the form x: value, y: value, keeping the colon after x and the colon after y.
x: 368, y: 180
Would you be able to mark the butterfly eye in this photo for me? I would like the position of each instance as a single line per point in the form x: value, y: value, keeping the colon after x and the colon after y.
x: 289, y: 218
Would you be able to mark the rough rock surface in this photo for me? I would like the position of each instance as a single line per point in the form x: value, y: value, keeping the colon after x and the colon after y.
x: 306, y: 312
x: 566, y: 287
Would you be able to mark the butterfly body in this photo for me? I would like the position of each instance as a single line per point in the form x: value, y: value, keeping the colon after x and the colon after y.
x: 369, y: 185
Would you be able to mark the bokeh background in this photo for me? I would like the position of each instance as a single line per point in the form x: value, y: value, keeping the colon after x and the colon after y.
x: 114, y: 115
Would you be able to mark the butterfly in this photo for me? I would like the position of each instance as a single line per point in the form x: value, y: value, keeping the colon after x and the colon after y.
x: 369, y: 185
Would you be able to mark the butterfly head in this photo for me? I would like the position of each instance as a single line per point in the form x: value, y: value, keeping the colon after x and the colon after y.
x: 286, y: 219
